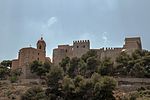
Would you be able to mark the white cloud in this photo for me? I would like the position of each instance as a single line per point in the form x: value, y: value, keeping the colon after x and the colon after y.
x: 51, y: 21
x: 45, y: 26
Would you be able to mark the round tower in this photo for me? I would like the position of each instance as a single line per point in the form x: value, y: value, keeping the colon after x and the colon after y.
x: 41, y: 45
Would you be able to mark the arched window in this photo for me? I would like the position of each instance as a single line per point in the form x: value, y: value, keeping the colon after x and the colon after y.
x: 40, y: 47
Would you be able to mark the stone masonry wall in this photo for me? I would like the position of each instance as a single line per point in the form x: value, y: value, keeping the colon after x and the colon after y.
x: 81, y: 47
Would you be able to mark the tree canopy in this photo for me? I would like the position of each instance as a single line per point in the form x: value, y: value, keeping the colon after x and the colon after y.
x: 4, y: 72
x: 135, y: 65
x: 40, y: 68
x: 89, y: 77
x: 6, y: 63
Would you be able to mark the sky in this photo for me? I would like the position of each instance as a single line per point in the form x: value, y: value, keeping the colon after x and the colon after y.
x: 104, y: 22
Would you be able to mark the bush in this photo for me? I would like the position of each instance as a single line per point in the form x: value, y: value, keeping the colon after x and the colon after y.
x: 34, y: 93
x: 133, y: 96
x: 13, y: 79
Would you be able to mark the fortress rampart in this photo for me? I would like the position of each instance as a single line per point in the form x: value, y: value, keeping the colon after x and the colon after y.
x: 76, y: 50
x: 80, y: 47
x: 28, y: 55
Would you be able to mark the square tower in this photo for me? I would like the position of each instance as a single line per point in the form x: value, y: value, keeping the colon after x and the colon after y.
x: 132, y: 44
x: 80, y: 47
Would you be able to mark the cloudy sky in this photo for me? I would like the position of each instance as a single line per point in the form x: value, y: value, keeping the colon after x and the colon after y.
x: 104, y: 22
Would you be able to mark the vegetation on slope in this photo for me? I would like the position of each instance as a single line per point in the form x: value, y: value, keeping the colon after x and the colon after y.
x: 85, y: 78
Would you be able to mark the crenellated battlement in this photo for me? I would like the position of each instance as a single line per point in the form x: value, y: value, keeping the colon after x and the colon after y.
x: 107, y: 49
x: 111, y: 48
x: 81, y: 41
x: 81, y: 47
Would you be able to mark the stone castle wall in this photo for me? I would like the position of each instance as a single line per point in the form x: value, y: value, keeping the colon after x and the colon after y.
x: 81, y: 47
x: 76, y: 50
x: 15, y: 64
x: 29, y: 54
x: 108, y: 52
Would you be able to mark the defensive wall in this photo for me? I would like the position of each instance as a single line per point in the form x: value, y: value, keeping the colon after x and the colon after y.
x: 82, y: 46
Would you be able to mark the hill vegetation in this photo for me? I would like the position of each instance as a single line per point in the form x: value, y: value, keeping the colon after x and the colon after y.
x: 85, y: 78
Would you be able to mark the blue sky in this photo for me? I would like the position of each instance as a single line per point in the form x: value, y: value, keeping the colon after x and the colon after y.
x: 104, y: 22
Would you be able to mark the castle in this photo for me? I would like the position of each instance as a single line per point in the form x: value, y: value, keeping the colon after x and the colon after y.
x: 28, y: 55
x: 81, y: 47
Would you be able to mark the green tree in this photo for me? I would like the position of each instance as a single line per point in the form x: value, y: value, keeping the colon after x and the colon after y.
x: 106, y: 67
x: 137, y: 71
x: 40, y: 69
x: 95, y: 78
x: 92, y: 63
x: 140, y: 64
x: 82, y: 68
x: 46, y: 68
x: 68, y: 88
x: 4, y: 72
x: 77, y: 80
x: 6, y: 63
x: 85, y: 89
x: 138, y: 54
x: 54, y: 81
x: 146, y: 65
x: 16, y: 72
x: 73, y: 69
x: 123, y: 66
x: 91, y: 53
x: 15, y: 75
x: 65, y: 63
x: 34, y: 93
x: 103, y: 90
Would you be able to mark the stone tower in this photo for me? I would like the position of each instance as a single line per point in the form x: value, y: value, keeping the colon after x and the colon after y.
x: 28, y: 54
x: 41, y: 49
x: 80, y: 47
x: 132, y: 44
x: 41, y: 45
x: 76, y: 50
